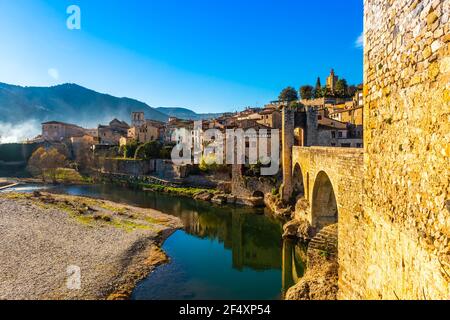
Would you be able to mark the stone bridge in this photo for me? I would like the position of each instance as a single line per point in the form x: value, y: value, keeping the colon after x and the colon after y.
x: 331, y: 179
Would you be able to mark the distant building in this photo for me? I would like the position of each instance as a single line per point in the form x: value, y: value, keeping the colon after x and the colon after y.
x: 55, y: 131
x: 271, y: 118
x: 315, y: 128
x: 111, y: 134
x: 147, y: 132
x: 332, y: 80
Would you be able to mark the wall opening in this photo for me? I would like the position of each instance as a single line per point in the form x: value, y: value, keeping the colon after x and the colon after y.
x: 258, y: 194
x: 324, y: 205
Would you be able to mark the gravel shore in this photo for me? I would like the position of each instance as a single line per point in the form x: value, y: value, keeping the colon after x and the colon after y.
x: 45, y: 238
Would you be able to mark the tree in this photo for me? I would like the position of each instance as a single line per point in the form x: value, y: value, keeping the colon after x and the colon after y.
x: 341, y: 88
x: 129, y: 150
x: 82, y: 151
x: 149, y: 150
x: 352, y: 90
x: 46, y: 162
x: 288, y: 94
x: 317, y: 93
x: 318, y: 84
x: 306, y: 92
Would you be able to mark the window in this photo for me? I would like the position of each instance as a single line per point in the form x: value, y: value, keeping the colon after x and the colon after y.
x: 333, y: 134
x: 319, y: 117
x: 340, y: 134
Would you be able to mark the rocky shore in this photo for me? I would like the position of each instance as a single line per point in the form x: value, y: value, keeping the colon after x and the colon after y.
x: 47, y: 238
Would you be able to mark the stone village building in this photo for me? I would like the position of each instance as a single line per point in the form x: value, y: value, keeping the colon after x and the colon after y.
x: 55, y: 131
x: 112, y: 133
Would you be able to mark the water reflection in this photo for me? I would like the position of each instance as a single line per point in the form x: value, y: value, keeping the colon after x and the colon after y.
x: 294, y: 257
x: 223, y: 253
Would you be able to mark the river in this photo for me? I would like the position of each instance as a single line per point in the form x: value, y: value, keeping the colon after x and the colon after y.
x: 223, y: 252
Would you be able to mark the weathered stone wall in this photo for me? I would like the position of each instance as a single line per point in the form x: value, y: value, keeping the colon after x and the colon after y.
x: 245, y: 187
x: 404, y: 250
x: 125, y: 166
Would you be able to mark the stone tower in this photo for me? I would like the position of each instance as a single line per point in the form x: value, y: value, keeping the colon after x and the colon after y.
x: 331, y: 80
x: 137, y: 119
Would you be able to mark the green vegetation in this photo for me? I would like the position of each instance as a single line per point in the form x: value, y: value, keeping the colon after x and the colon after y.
x: 149, y: 150
x: 209, y: 164
x: 47, y: 163
x: 129, y: 150
x: 65, y: 175
x: 182, y: 191
x: 288, y: 94
x: 306, y: 92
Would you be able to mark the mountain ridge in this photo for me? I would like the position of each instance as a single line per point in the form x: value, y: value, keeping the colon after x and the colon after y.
x: 187, y: 114
x: 68, y: 102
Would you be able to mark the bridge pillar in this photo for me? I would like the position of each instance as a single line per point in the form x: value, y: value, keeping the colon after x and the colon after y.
x: 287, y: 145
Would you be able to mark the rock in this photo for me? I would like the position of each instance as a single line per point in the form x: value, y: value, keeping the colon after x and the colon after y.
x: 299, y: 229
x: 290, y: 229
x: 224, y: 186
x: 231, y: 199
x: 219, y: 199
x: 319, y: 283
x: 283, y: 212
x: 298, y: 292
x: 37, y: 194
x: 203, y: 196
x: 250, y: 202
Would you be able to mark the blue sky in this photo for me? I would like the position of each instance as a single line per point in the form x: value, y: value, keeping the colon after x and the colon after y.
x: 207, y: 55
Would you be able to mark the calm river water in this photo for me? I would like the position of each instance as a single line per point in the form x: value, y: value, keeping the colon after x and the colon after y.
x: 222, y: 253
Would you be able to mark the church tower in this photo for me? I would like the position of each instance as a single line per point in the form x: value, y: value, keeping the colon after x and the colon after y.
x: 137, y: 119
x: 332, y: 80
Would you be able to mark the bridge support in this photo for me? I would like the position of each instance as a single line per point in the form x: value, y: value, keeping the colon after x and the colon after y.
x: 288, y: 143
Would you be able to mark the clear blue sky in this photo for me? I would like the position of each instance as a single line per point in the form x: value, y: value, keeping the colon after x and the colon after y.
x: 207, y: 55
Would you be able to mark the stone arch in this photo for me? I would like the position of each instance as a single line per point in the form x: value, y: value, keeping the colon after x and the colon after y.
x: 298, y: 186
x: 258, y: 194
x: 324, y: 203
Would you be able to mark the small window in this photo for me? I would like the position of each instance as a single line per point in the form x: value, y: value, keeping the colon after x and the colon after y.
x: 340, y: 134
x: 333, y: 134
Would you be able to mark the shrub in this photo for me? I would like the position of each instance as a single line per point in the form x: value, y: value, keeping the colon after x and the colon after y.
x: 149, y: 150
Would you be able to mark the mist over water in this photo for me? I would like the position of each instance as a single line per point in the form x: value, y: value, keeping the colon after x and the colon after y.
x: 19, y: 132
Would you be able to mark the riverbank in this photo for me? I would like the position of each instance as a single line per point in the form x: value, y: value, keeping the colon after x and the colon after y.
x: 45, y: 235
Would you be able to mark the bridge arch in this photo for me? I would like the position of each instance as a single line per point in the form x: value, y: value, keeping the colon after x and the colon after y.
x: 258, y: 194
x: 298, y: 181
x: 324, y: 203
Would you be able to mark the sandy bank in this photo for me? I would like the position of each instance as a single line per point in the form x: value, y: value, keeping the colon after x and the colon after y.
x: 44, y: 238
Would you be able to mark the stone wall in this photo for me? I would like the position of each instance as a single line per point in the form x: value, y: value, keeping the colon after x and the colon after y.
x: 403, y: 247
x: 125, y: 166
x: 247, y: 187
